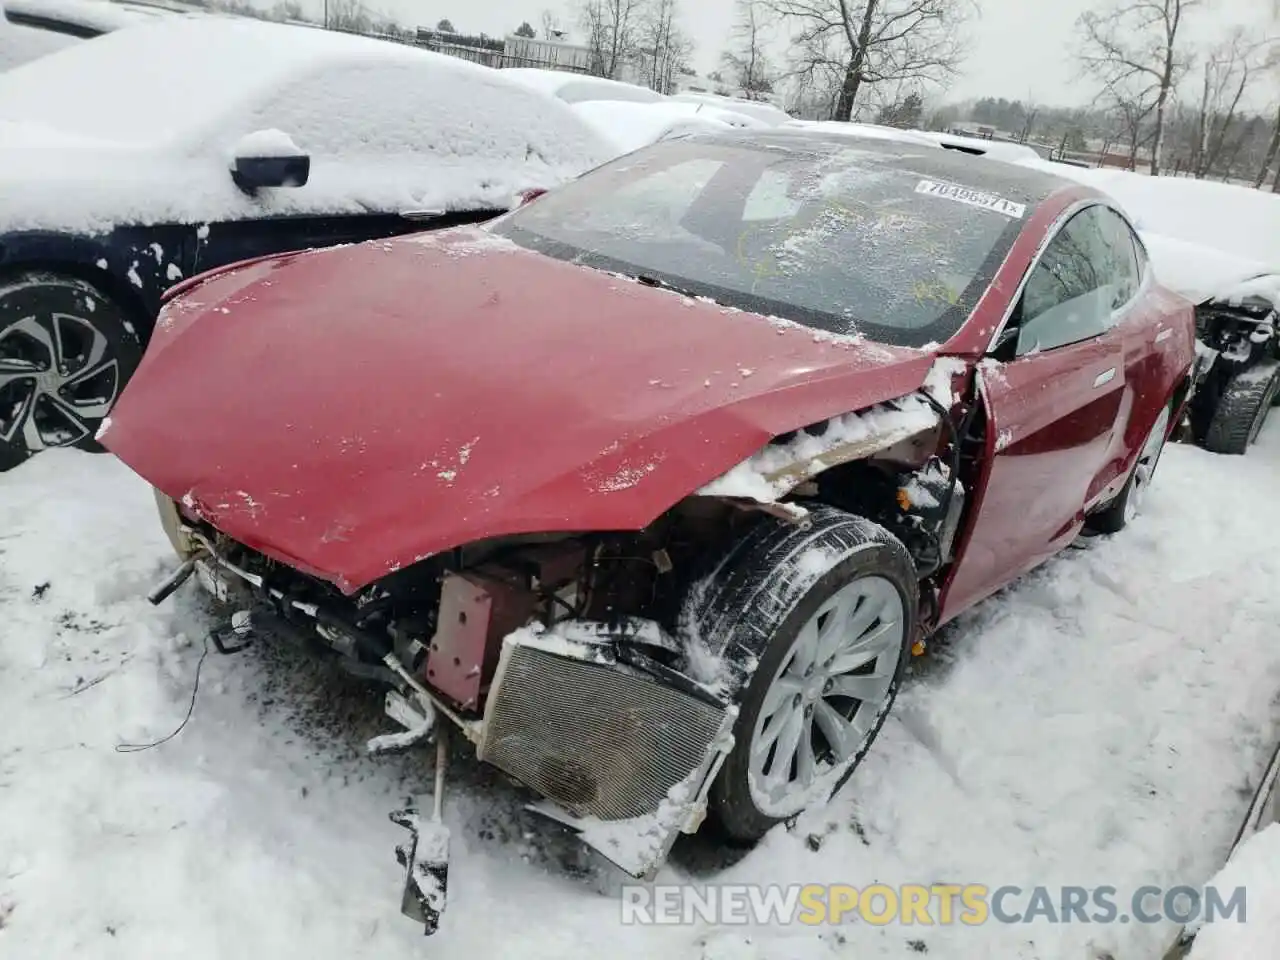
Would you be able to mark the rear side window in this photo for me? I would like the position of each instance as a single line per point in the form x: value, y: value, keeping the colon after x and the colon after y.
x: 1088, y: 271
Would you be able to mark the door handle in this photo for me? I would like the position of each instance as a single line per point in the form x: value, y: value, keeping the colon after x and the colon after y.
x: 1104, y: 378
x: 1164, y: 335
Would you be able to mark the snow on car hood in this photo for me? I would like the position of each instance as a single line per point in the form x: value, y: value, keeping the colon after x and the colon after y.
x: 352, y: 410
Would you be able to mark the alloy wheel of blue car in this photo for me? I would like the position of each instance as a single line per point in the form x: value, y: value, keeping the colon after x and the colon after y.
x: 66, y: 352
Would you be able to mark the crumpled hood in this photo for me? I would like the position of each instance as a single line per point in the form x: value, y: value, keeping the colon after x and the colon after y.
x: 353, y: 410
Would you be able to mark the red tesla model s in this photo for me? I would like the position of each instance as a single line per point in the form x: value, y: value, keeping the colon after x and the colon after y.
x: 652, y: 486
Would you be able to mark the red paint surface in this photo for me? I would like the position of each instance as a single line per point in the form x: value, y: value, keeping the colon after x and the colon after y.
x: 350, y: 411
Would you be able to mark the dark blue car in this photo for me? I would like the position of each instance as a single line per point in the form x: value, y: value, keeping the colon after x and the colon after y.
x: 138, y: 159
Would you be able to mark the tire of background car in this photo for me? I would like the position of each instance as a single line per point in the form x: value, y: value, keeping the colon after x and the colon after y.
x: 1243, y: 410
x: 1120, y: 512
x: 66, y: 352
x: 818, y: 619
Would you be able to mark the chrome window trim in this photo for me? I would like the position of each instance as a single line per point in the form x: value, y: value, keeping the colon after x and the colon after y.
x: 1054, y: 229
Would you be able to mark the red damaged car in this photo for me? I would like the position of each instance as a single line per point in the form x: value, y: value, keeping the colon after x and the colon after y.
x: 652, y: 486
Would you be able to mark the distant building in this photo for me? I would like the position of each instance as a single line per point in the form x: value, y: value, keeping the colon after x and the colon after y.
x: 547, y: 54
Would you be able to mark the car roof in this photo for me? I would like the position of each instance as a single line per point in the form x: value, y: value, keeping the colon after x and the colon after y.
x: 1023, y: 184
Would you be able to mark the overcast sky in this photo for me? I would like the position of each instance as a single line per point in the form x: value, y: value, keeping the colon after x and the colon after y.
x: 1019, y: 48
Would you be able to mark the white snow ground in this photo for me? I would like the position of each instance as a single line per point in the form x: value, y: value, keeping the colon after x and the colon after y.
x: 1102, y: 722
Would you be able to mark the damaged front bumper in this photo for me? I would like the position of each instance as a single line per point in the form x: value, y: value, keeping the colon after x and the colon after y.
x: 620, y: 749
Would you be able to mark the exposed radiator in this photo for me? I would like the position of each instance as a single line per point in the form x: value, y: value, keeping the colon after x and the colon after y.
x: 597, y: 740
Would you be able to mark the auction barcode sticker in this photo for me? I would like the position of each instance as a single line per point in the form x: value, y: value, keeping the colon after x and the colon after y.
x: 974, y: 198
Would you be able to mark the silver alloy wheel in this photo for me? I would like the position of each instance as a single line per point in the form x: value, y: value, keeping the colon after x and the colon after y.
x: 826, y: 697
x: 1145, y: 468
x: 57, y: 380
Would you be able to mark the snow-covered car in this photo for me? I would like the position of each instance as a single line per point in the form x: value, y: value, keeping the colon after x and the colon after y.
x: 864, y: 131
x: 764, y: 113
x: 678, y: 466
x: 1219, y: 246
x: 257, y: 138
x: 630, y: 126
x: 626, y: 115
x: 581, y: 88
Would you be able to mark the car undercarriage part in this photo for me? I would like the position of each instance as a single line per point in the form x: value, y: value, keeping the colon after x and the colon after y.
x: 599, y: 739
x: 425, y: 857
x: 529, y: 648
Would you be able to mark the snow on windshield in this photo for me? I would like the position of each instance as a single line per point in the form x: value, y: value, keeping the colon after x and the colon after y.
x: 775, y: 232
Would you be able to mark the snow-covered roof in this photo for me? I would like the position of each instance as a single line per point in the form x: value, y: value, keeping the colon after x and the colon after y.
x: 868, y: 131
x: 765, y: 113
x: 630, y: 126
x: 137, y: 126
x: 578, y: 88
x: 19, y: 44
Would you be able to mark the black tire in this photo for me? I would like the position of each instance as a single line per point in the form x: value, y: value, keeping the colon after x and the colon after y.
x: 1243, y: 409
x: 750, y: 610
x: 66, y: 352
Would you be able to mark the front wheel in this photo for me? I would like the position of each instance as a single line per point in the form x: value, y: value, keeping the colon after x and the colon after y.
x: 1243, y: 409
x: 66, y: 351
x: 822, y: 617
x: 1124, y: 509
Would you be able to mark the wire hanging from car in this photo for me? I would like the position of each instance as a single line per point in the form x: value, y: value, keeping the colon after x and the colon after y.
x: 195, y: 689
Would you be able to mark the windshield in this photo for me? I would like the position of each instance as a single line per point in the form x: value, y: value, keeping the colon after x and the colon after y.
x: 838, y: 237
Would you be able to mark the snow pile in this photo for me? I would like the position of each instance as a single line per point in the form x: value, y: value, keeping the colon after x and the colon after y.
x: 775, y: 470
x: 1196, y: 271
x: 388, y: 127
x: 764, y: 114
x: 630, y: 126
x: 265, y: 143
x: 1266, y: 288
x: 1256, y: 867
x: 1204, y: 237
x: 576, y: 88
x: 1071, y: 728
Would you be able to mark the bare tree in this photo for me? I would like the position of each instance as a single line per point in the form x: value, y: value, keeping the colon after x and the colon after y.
x: 746, y: 61
x: 662, y: 47
x: 349, y: 15
x: 1133, y: 115
x: 610, y: 26
x: 1135, y: 46
x: 551, y: 28
x: 1273, y: 150
x: 1228, y: 69
x: 854, y: 43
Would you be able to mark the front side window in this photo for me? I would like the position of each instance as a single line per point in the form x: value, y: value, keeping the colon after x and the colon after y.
x: 840, y: 238
x: 1087, y: 272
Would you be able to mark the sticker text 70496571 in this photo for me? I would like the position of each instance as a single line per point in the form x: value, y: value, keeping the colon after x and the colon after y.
x: 974, y: 198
